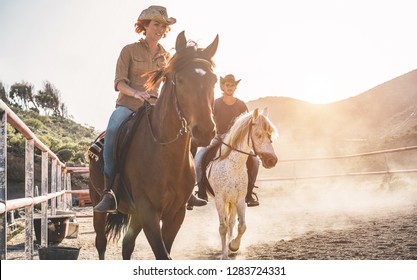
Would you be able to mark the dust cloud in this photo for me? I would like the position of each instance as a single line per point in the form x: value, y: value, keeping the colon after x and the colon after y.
x: 343, y: 218
x: 289, y: 210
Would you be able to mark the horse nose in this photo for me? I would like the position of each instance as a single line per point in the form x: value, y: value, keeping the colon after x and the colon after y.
x: 269, y: 160
x: 202, y: 137
x: 272, y: 161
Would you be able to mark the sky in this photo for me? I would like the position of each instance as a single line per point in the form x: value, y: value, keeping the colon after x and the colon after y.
x: 318, y: 51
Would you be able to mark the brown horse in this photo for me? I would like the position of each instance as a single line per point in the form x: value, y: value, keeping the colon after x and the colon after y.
x: 158, y: 173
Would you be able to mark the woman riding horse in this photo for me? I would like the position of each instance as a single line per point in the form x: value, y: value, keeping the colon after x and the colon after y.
x: 157, y: 173
x: 135, y: 61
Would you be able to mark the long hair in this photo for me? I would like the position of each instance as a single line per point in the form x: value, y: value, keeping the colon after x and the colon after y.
x: 141, y: 24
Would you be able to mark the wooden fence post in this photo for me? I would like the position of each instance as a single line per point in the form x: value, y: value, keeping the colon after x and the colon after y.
x: 3, y: 184
x: 59, y: 187
x: 68, y: 197
x: 44, y: 205
x: 29, y: 185
x: 53, y: 185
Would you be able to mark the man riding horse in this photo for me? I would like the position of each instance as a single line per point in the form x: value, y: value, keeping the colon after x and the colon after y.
x: 226, y: 109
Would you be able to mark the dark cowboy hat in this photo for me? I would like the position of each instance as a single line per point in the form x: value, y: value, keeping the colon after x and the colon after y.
x: 229, y: 78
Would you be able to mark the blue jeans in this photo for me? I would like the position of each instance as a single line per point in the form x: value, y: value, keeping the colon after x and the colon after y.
x: 117, y: 117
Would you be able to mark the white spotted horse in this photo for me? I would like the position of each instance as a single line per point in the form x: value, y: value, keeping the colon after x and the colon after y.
x: 251, y: 135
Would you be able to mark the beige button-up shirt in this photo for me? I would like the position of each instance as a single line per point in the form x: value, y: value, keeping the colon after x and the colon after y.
x: 132, y: 67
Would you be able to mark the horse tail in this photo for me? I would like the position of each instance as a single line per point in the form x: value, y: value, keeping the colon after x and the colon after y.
x: 228, y: 210
x: 115, y: 224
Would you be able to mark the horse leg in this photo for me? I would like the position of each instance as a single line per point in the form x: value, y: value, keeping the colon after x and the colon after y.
x: 128, y: 244
x: 152, y: 229
x: 99, y: 223
x: 171, y: 227
x: 232, y: 222
x: 223, y: 221
x: 235, y: 243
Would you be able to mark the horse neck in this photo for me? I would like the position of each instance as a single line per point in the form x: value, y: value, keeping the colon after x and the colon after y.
x: 242, y: 145
x: 165, y: 120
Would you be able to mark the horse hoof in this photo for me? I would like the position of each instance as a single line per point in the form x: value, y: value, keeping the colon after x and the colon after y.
x: 233, y: 247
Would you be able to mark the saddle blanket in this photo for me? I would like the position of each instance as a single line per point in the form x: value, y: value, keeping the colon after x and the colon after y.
x: 95, y: 149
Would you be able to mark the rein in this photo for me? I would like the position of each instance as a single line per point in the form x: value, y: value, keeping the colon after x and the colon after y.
x: 183, y: 130
x: 184, y: 124
x: 249, y: 139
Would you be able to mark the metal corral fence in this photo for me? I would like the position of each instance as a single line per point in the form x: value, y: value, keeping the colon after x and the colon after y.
x: 388, y: 170
x: 60, y: 184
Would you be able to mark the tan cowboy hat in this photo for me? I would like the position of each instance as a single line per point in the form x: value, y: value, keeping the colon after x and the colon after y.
x: 157, y: 13
x: 229, y: 78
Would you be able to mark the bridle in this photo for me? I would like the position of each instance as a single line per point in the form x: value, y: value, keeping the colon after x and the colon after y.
x: 250, y: 139
x: 184, y: 123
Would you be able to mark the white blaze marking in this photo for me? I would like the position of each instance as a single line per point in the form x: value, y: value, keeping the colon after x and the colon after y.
x: 200, y: 71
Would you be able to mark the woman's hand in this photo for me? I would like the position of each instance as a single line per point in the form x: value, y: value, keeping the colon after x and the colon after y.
x: 141, y: 95
x: 128, y: 91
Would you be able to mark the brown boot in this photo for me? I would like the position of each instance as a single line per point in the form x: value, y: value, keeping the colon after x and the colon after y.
x: 108, y: 201
x: 195, y: 201
x: 202, y: 192
x: 251, y: 197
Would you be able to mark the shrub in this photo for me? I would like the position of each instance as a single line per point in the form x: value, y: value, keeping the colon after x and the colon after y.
x: 33, y: 124
x: 65, y: 155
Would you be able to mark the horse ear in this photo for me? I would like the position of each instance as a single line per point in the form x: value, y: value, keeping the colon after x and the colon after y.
x: 181, y: 42
x: 265, y: 112
x: 210, y: 51
x: 255, y: 113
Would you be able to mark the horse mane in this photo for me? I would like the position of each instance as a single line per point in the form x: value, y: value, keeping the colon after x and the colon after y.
x: 240, y: 129
x: 175, y: 63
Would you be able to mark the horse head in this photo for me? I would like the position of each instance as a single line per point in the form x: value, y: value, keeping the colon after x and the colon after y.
x: 194, y: 80
x: 263, y: 132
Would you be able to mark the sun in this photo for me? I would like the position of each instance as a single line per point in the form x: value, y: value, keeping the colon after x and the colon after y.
x: 319, y: 89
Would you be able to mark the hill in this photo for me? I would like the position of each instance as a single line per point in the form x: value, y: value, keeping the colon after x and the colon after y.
x: 380, y: 118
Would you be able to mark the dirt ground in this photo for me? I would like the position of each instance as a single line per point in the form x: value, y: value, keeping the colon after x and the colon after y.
x: 304, y: 221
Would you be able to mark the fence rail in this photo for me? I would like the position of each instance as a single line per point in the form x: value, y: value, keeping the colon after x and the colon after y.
x: 353, y: 155
x: 59, y: 180
x: 336, y: 175
x: 351, y: 174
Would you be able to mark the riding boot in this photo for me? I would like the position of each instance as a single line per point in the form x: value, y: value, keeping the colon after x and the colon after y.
x: 251, y: 197
x: 108, y: 201
x: 202, y: 192
x: 195, y: 201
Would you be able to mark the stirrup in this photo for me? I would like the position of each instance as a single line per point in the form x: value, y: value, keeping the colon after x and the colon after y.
x: 253, y: 201
x: 254, y: 194
x: 107, y: 210
x: 115, y: 200
x: 203, y: 197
